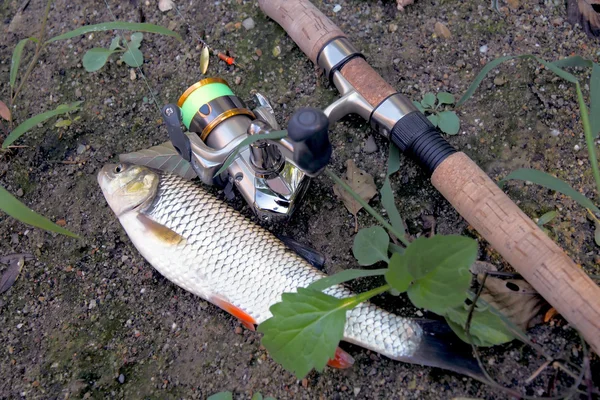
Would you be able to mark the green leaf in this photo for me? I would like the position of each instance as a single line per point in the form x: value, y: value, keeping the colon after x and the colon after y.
x: 221, y: 396
x: 388, y: 202
x: 305, y: 330
x: 449, y: 122
x: 398, y: 275
x: 133, y: 57
x: 595, y: 100
x: 550, y: 182
x: 257, y: 396
x: 440, y: 266
x: 13, y: 207
x: 428, y: 100
x: 95, y: 58
x: 246, y: 142
x: 33, y: 121
x: 445, y: 98
x: 63, y: 123
x: 344, y: 276
x: 109, y: 26
x: 114, y: 44
x: 371, y: 245
x: 597, y: 233
x: 16, y: 60
x: 480, y: 76
x: 419, y: 106
x: 486, y: 328
x: 434, y: 119
x: 393, y: 160
x: 136, y: 39
x: 554, y: 68
x: 573, y: 61
x: 394, y: 248
x: 547, y: 217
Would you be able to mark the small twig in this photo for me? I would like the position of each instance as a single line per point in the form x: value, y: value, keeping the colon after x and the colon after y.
x: 587, y: 372
x: 538, y: 371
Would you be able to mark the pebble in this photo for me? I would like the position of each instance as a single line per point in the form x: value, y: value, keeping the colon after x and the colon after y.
x: 576, y: 148
x: 92, y: 304
x: 392, y: 28
x: 337, y: 8
x: 14, y: 238
x: 554, y: 132
x: 356, y: 391
x: 442, y: 30
x: 78, y: 92
x: 20, y: 192
x: 121, y: 378
x: 248, y: 23
x: 81, y: 149
x: 238, y: 80
x: 499, y: 81
x: 460, y: 64
x: 276, y: 51
x: 483, y: 49
x: 238, y: 330
x: 132, y: 75
x: 370, y: 145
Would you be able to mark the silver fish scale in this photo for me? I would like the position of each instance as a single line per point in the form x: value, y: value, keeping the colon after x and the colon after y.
x: 227, y: 255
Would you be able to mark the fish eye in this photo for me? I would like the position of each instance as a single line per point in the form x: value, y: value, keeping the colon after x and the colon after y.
x: 118, y: 169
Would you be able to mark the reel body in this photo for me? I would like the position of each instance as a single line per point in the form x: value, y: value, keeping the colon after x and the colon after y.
x: 271, y: 175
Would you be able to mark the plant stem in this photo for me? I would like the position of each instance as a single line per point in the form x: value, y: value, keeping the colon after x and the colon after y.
x: 40, y: 45
x: 359, y: 298
x: 366, y: 206
x: 589, y: 137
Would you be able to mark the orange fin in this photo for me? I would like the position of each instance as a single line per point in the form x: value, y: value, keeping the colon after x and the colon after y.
x: 237, y: 312
x: 341, y: 360
x: 160, y: 231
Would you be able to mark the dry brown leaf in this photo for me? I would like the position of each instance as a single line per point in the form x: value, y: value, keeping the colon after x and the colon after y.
x: 165, y: 5
x: 4, y: 111
x: 442, y: 30
x: 204, y: 58
x: 515, y: 298
x: 585, y: 13
x: 550, y: 314
x: 362, y: 183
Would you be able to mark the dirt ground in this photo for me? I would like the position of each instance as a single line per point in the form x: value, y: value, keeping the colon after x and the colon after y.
x: 90, y: 318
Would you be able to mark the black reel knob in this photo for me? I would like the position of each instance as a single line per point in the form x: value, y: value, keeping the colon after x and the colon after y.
x: 308, y: 128
x: 172, y: 117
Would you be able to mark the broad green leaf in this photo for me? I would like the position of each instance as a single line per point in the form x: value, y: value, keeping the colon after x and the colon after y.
x: 257, y: 396
x: 109, y: 26
x: 246, y: 142
x: 394, y: 248
x: 133, y: 57
x: 114, y: 44
x: 573, y: 61
x: 419, y: 106
x: 440, y: 267
x: 95, y: 58
x: 445, y: 98
x: 486, y: 328
x: 63, y: 123
x: 550, y: 182
x: 449, y: 122
x: 597, y: 233
x: 428, y: 100
x: 371, y: 245
x: 33, y: 121
x: 434, y: 119
x: 547, y: 217
x: 221, y: 396
x: 393, y: 159
x: 398, y: 275
x: 305, y: 330
x: 479, y: 78
x: 388, y: 202
x: 344, y: 276
x: 595, y: 100
x: 13, y: 207
x: 16, y: 60
x: 136, y: 39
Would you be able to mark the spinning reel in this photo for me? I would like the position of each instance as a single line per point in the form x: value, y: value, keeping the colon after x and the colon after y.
x: 271, y: 175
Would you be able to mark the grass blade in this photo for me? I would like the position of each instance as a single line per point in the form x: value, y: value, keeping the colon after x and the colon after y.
x: 33, y: 121
x: 595, y: 100
x: 16, y: 60
x: 13, y: 207
x: 552, y: 67
x: 573, y: 61
x: 488, y: 67
x: 393, y: 159
x: 108, y: 26
x: 388, y: 202
x: 550, y: 182
x: 344, y: 276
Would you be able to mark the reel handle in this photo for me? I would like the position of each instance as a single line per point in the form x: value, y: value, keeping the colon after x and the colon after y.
x: 308, y: 129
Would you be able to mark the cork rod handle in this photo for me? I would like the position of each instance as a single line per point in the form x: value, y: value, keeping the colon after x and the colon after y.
x: 474, y: 195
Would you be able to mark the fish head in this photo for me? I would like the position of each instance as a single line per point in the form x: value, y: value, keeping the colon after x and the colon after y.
x: 127, y: 187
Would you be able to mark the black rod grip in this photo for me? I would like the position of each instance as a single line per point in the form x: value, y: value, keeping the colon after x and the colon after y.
x: 416, y: 136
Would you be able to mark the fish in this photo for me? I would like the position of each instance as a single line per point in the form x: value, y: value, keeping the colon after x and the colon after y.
x: 203, y: 245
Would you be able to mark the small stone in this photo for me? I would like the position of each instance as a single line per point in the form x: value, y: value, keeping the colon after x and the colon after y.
x: 92, y: 304
x: 276, y: 51
x: 558, y: 21
x: 554, y: 132
x: 483, y: 49
x: 442, y: 30
x: 392, y: 28
x: 238, y: 330
x: 576, y: 148
x: 132, y: 75
x: 460, y: 64
x: 238, y: 80
x: 14, y: 239
x: 121, y: 378
x: 78, y: 92
x: 356, y: 391
x: 337, y: 8
x: 248, y: 23
x: 499, y: 81
x: 419, y: 313
x: 258, y: 52
x: 370, y: 145
x: 304, y: 383
x: 81, y: 149
x: 20, y: 192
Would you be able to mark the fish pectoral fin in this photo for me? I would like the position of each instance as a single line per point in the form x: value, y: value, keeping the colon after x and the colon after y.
x: 341, y: 360
x: 237, y: 312
x: 158, y: 230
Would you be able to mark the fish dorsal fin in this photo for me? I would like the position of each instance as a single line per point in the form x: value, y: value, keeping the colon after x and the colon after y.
x: 159, y: 231
x: 237, y: 312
